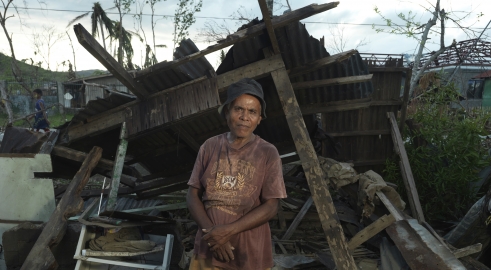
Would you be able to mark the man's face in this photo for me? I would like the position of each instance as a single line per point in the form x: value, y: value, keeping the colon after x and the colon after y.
x: 243, y: 116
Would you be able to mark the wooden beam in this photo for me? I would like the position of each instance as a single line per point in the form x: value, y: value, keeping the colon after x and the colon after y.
x: 117, y: 169
x: 314, y: 174
x: 388, y: 204
x: 269, y: 26
x: 187, y: 138
x: 241, y: 35
x: 79, y: 156
x: 155, y: 153
x: 40, y: 257
x: 407, y: 174
x: 360, y: 133
x: 163, y: 190
x: 113, y: 118
x: 94, y: 48
x: 462, y: 252
x: 297, y: 219
x: 97, y: 126
x: 370, y: 231
x: 334, y: 81
x: 320, y: 63
x: 255, y: 70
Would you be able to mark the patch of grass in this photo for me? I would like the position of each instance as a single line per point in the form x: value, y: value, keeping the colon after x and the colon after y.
x: 56, y: 120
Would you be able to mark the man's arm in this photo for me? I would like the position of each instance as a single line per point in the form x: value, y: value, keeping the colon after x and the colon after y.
x: 220, y: 234
x: 197, y: 209
x: 198, y: 213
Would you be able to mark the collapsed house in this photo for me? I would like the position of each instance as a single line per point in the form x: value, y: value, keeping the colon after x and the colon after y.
x: 145, y: 145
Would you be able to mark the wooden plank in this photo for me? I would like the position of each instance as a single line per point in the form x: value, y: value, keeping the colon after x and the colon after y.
x: 407, y: 174
x: 163, y: 190
x: 113, y: 118
x: 187, y: 138
x: 306, y: 206
x: 314, y: 174
x: 79, y: 156
x: 283, y: 249
x: 40, y: 257
x: 462, y: 252
x: 117, y: 169
x: 48, y: 146
x: 370, y: 231
x: 94, y: 48
x: 166, y: 207
x: 269, y: 26
x: 320, y: 63
x: 392, y: 209
x: 99, y: 125
x: 255, y: 70
x: 334, y: 81
x: 241, y: 35
x: 360, y: 133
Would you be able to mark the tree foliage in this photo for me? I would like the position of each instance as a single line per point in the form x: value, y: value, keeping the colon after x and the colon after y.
x: 421, y: 31
x: 445, y: 151
x: 184, y: 18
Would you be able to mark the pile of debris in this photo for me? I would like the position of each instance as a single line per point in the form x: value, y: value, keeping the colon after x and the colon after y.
x: 129, y: 157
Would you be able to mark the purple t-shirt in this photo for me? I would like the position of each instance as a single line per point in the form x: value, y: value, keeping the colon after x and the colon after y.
x: 234, y: 182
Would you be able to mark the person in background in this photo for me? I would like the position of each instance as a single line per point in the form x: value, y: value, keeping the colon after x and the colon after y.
x: 41, y: 117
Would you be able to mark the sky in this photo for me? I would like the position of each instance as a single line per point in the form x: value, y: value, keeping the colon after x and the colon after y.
x: 354, y: 19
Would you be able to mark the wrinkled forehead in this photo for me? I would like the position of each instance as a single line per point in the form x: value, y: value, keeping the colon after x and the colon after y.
x: 246, y: 98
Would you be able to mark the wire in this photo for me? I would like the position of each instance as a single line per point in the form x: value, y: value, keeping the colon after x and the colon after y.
x: 210, y: 17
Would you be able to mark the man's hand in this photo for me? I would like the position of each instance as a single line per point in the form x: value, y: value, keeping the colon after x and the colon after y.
x: 224, y: 253
x: 217, y: 236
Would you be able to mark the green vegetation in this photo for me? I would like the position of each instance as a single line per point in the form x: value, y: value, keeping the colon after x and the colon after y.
x: 445, y: 152
x: 35, y: 73
x: 56, y: 120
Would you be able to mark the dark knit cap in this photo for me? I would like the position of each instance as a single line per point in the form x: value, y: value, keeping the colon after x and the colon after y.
x: 244, y: 86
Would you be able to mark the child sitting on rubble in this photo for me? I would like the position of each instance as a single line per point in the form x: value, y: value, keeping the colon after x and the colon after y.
x: 40, y: 118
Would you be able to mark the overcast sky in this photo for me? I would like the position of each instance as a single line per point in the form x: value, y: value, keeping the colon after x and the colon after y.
x: 353, y: 18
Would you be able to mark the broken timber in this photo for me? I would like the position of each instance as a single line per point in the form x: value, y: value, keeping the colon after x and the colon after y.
x: 407, y: 174
x: 315, y: 177
x: 40, y: 257
x: 117, y: 169
x: 93, y: 47
x: 114, y: 117
x: 241, y: 35
x: 269, y: 26
x: 370, y: 231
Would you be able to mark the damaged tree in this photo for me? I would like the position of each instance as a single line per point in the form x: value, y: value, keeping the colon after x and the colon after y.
x: 15, y: 67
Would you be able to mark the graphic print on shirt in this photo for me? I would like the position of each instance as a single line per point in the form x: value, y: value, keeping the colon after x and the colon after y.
x: 230, y: 186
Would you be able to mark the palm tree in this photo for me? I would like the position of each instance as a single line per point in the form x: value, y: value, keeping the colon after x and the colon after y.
x: 98, y: 16
x: 125, y: 42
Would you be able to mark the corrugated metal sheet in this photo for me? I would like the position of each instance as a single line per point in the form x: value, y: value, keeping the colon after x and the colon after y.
x: 194, y: 69
x: 101, y: 105
x: 125, y: 203
x: 297, y: 47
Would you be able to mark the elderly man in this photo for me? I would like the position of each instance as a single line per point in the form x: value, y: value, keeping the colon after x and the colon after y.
x: 235, y: 188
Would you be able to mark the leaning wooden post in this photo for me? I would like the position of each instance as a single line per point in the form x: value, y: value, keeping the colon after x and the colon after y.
x: 407, y: 174
x: 313, y: 171
x: 117, y: 169
x: 40, y: 257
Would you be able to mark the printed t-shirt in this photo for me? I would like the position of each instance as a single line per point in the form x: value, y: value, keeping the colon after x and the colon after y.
x: 234, y: 182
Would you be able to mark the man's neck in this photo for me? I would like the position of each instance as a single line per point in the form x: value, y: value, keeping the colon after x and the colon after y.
x: 238, y: 142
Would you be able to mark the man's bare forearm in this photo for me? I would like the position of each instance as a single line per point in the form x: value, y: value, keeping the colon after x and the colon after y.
x: 257, y: 217
x: 197, y: 209
x: 220, y: 234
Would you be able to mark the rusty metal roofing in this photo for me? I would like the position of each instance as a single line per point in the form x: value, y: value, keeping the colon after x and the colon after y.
x: 297, y: 47
x: 98, y: 106
x: 124, y: 203
x: 161, y: 80
x: 197, y: 68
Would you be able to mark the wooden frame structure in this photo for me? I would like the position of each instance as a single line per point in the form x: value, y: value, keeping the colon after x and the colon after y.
x: 272, y: 65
